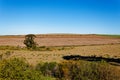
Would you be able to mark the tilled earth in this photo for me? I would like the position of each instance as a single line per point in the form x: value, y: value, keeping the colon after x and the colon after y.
x: 60, y: 40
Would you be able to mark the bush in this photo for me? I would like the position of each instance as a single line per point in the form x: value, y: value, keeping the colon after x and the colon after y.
x: 46, y: 68
x: 80, y: 70
x: 1, y: 56
x: 17, y: 69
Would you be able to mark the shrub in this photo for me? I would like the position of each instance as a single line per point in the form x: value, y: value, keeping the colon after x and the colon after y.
x: 17, y: 69
x: 1, y: 56
x: 80, y: 70
x: 46, y: 68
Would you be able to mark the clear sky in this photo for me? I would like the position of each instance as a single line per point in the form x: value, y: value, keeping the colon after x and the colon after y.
x: 59, y: 16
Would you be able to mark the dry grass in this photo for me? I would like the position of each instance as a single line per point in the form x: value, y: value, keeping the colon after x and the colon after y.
x: 93, y: 45
x: 33, y: 57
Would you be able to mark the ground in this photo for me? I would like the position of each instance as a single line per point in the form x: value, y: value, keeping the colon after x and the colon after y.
x: 85, y: 45
x: 60, y: 40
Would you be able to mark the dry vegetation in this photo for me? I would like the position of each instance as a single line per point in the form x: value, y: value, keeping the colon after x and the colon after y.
x: 33, y: 57
x: 84, y: 45
x: 52, y: 49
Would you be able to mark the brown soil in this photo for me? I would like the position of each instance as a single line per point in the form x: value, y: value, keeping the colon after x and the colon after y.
x: 60, y: 40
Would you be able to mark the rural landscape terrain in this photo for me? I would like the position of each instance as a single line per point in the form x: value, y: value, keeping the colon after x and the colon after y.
x: 60, y: 40
x: 97, y: 57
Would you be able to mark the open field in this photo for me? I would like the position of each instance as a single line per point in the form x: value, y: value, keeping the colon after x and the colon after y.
x: 85, y: 45
x: 61, y: 57
x: 33, y: 57
x: 61, y: 40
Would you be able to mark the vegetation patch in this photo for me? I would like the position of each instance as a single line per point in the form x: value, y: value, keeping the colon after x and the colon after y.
x: 79, y: 70
x: 107, y: 35
x: 18, y: 69
x: 10, y: 48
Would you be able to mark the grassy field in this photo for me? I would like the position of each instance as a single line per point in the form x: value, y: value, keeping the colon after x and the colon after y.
x: 112, y: 36
x: 55, y: 54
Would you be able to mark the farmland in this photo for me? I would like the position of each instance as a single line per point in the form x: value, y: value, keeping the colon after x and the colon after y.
x: 61, y: 40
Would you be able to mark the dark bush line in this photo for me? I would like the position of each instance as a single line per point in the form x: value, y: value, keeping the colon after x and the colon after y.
x: 91, y: 58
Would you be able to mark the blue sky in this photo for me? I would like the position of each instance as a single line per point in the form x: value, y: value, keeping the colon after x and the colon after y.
x: 59, y: 16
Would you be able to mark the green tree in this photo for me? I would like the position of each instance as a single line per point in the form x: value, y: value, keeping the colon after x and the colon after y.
x: 29, y: 41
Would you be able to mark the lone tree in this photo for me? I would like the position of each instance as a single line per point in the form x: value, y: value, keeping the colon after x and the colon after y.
x: 29, y: 41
